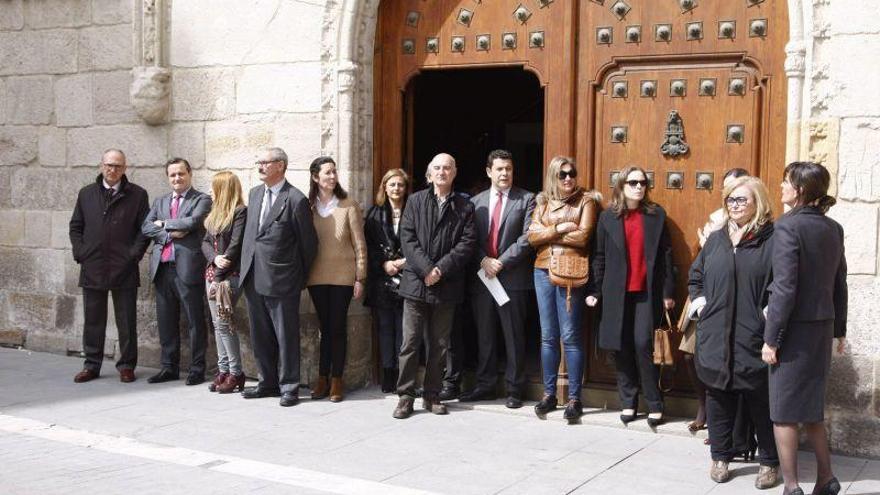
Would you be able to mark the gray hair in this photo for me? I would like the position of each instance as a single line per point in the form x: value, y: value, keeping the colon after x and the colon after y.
x: 277, y: 154
x: 114, y: 150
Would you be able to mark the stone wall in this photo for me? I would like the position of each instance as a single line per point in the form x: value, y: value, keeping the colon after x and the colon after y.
x: 841, y: 127
x: 244, y: 75
x: 298, y: 74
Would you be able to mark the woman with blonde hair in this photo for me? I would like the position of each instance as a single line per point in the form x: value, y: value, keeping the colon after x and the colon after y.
x: 633, y: 279
x: 224, y: 229
x: 728, y: 287
x: 384, y: 262
x: 561, y: 228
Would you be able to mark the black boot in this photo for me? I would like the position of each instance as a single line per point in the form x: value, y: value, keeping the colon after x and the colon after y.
x: 389, y: 380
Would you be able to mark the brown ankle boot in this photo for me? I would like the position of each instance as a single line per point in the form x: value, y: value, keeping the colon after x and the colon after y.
x: 337, y: 389
x: 231, y: 383
x: 219, y: 378
x: 321, y: 389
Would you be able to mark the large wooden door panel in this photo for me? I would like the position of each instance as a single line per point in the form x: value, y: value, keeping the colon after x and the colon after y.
x: 712, y: 63
x: 420, y: 35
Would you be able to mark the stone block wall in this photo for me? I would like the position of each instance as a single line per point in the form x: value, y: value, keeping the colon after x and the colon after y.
x: 244, y: 75
x: 841, y: 128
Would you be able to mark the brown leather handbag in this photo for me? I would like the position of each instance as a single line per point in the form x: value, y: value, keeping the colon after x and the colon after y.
x: 662, y: 344
x: 569, y: 271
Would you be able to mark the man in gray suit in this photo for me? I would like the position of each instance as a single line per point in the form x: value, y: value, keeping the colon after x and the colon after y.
x: 502, y: 217
x: 279, y: 246
x: 176, y: 226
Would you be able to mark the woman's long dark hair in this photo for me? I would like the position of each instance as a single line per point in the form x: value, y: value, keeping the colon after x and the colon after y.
x: 314, y: 170
x: 811, y: 181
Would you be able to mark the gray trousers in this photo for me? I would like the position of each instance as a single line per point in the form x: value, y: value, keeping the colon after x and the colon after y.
x: 228, y: 344
x: 275, y: 337
x: 436, y: 321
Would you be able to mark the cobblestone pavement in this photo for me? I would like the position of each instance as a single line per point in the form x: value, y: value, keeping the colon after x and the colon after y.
x: 57, y: 437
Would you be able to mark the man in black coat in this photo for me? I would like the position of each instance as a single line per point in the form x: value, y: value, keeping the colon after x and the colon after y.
x: 438, y: 240
x: 502, y: 217
x: 279, y: 246
x: 105, y: 234
x: 175, y: 224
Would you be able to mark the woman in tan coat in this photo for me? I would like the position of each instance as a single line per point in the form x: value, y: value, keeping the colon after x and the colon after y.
x: 338, y: 273
x: 563, y: 222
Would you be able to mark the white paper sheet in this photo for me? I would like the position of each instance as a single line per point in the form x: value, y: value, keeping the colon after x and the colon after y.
x: 495, y: 287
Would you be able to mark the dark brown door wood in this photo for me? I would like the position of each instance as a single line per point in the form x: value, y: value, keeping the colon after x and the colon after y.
x: 612, y: 72
x: 719, y: 67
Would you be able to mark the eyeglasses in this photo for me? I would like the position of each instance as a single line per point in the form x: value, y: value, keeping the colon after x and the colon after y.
x: 260, y: 163
x: 634, y: 183
x: 738, y: 201
x: 563, y: 174
x: 113, y: 166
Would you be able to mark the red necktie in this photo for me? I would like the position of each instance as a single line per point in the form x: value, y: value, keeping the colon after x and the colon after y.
x: 492, y: 247
x: 167, y: 248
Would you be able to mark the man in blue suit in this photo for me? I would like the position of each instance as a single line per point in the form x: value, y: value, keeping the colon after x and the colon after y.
x: 176, y: 226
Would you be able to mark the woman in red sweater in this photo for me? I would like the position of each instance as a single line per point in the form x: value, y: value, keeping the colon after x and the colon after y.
x: 632, y: 279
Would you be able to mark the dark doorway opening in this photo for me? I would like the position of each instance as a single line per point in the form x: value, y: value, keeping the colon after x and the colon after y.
x: 470, y: 112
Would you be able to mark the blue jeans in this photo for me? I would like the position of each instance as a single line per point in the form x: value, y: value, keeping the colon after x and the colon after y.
x: 558, y: 322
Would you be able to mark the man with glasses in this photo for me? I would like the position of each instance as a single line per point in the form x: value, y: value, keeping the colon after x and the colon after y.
x: 105, y: 234
x: 279, y: 246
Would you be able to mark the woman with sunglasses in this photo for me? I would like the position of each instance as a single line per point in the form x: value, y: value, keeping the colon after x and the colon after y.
x: 728, y: 289
x: 632, y: 278
x: 807, y: 309
x: 562, y: 225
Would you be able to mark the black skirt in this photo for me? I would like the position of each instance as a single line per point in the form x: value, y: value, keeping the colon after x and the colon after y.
x: 797, y: 382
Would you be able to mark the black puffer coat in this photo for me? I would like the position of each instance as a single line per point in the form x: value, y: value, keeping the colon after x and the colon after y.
x: 730, y: 331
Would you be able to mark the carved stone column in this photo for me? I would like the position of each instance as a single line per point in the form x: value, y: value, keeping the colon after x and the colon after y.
x: 151, y: 78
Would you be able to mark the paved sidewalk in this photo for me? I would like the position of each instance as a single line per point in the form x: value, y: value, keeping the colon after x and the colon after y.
x: 57, y: 437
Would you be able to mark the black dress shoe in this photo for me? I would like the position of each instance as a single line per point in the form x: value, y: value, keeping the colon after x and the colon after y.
x: 573, y: 411
x: 655, y: 422
x: 289, y: 399
x: 164, y: 375
x: 627, y: 418
x: 448, y: 393
x: 548, y: 403
x: 259, y: 392
x: 830, y: 488
x: 477, y: 394
x: 195, y: 379
x: 513, y: 402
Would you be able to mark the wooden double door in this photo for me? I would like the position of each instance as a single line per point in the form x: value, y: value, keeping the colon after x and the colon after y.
x: 686, y: 89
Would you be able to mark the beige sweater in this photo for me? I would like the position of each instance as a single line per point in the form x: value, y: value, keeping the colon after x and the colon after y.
x: 342, y: 250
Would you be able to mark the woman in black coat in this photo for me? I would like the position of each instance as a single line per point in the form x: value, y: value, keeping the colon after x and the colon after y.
x: 632, y: 277
x: 807, y: 309
x: 384, y: 262
x: 728, y: 288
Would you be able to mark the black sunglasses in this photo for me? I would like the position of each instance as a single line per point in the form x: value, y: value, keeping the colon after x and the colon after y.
x: 634, y: 183
x: 568, y: 173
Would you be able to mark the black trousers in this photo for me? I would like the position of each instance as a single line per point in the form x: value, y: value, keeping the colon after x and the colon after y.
x: 635, y: 360
x: 512, y: 317
x: 171, y: 294
x: 275, y: 337
x: 433, y: 322
x: 721, y: 411
x: 331, y: 303
x: 95, y: 326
